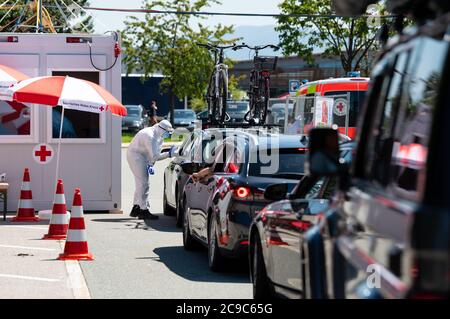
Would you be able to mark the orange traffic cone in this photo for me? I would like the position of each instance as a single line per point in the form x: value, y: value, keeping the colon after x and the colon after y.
x: 59, y: 222
x: 25, y: 210
x: 76, y: 247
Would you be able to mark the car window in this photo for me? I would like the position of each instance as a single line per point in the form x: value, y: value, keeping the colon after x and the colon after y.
x: 411, y: 136
x: 381, y: 140
x: 185, y: 150
x: 287, y: 163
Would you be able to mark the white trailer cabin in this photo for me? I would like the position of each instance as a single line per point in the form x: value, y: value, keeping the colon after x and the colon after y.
x: 90, y: 155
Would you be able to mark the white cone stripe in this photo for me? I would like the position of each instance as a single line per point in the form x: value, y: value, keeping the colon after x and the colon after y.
x: 59, y: 219
x: 77, y: 211
x: 25, y: 203
x: 26, y: 186
x: 76, y: 235
x: 59, y: 199
x: 89, y: 101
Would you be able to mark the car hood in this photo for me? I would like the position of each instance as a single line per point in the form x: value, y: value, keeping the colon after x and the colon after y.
x: 183, y: 121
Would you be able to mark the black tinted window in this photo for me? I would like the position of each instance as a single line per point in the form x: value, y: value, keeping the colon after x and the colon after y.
x: 290, y: 164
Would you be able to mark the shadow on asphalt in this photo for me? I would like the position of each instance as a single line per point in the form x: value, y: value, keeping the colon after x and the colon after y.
x: 113, y: 220
x: 8, y: 222
x: 194, y: 266
x: 163, y: 224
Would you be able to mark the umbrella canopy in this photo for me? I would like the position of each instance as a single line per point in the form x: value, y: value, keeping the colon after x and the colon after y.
x: 9, y: 77
x: 71, y: 93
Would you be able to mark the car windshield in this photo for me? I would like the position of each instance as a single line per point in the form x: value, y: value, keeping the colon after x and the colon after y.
x: 184, y: 114
x: 288, y: 164
x: 237, y: 106
x: 133, y: 111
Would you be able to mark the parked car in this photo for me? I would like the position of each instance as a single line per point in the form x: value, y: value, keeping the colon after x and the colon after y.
x: 136, y: 118
x: 388, y: 236
x: 237, y: 110
x: 197, y: 147
x: 277, y: 113
x: 183, y: 118
x: 219, y: 208
x: 277, y: 235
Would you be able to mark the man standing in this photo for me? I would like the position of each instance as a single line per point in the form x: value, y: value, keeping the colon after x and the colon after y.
x: 152, y: 113
x: 143, y: 151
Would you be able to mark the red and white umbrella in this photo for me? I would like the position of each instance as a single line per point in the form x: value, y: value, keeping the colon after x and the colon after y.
x: 70, y: 93
x: 9, y: 77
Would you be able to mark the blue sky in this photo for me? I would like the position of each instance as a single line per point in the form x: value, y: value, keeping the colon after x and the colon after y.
x: 112, y: 21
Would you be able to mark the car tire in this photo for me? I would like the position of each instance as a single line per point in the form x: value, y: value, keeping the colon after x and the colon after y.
x: 262, y: 288
x: 179, y: 214
x: 167, y: 209
x: 215, y: 258
x: 189, y: 242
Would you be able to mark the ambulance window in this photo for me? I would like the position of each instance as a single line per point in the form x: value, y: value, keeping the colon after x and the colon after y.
x: 15, y: 119
x: 76, y: 124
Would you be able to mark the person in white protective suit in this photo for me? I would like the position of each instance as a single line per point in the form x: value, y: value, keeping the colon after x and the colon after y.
x: 143, y: 151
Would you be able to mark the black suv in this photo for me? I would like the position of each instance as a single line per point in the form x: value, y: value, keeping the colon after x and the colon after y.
x: 388, y: 236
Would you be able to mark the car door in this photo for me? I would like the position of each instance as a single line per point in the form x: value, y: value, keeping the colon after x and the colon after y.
x: 200, y: 192
x: 379, y: 209
x: 173, y: 169
x: 288, y: 221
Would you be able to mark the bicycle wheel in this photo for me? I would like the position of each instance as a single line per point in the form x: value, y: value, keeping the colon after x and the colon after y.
x: 223, y: 95
x: 211, y: 100
x: 264, y: 102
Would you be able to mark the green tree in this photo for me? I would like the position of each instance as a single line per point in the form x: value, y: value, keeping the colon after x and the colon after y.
x: 166, y: 43
x: 66, y: 16
x: 350, y: 39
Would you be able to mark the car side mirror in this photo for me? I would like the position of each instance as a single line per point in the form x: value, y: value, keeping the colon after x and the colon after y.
x: 191, y: 168
x: 323, y: 158
x: 276, y: 192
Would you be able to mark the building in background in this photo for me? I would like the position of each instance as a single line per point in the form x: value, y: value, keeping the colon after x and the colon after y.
x: 289, y: 68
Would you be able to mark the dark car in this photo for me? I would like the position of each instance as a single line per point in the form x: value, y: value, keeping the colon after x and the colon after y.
x: 136, y: 118
x: 389, y: 235
x: 277, y: 235
x: 183, y: 118
x: 220, y: 207
x: 197, y: 147
x: 237, y: 110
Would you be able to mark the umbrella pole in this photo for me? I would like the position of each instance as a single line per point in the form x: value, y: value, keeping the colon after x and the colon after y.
x: 59, y: 144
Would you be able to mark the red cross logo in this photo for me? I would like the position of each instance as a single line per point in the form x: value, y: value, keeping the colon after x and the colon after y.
x: 102, y: 108
x: 43, y: 153
x: 340, y: 107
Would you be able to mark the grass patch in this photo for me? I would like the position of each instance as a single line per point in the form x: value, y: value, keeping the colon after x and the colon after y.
x: 127, y: 137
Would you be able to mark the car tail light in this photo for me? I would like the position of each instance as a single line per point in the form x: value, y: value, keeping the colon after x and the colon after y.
x: 11, y: 39
x: 242, y: 192
x: 78, y: 40
x: 244, y: 243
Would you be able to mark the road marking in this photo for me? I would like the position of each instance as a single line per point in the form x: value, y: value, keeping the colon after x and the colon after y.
x: 25, y: 247
x: 28, y: 278
x: 27, y: 227
x: 77, y: 281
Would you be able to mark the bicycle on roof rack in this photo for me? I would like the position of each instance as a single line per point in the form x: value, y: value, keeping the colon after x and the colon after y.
x: 259, y: 90
x: 217, y: 92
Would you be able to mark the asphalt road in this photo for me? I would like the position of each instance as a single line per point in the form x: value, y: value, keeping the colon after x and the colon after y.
x: 134, y: 259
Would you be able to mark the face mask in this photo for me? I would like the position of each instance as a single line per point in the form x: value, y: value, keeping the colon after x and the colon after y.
x: 166, y: 135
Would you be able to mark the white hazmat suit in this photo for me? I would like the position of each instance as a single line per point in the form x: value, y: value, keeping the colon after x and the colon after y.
x: 145, y: 149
